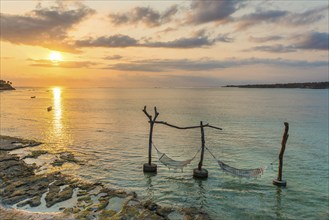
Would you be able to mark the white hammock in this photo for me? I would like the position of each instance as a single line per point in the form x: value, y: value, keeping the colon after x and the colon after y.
x: 170, y: 163
x: 246, y: 173
x: 242, y: 173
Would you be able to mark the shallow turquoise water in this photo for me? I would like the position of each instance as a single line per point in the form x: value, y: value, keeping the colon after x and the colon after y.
x: 107, y: 129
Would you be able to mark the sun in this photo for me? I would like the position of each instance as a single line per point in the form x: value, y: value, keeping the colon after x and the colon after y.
x: 55, y: 57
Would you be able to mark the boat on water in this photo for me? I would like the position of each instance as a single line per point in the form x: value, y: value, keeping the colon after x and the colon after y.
x: 49, y: 108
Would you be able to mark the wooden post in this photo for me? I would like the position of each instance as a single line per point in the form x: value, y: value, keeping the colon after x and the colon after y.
x: 150, y: 167
x: 199, y: 172
x: 279, y: 181
x: 202, y: 146
x: 150, y: 142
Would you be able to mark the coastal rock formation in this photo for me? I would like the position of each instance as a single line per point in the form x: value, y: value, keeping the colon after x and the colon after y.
x: 71, y: 198
x: 6, y: 85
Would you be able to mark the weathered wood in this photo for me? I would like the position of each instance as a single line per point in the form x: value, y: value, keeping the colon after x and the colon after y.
x: 283, y: 148
x: 149, y: 167
x: 279, y: 181
x: 151, y: 121
x: 202, y: 146
x: 190, y: 127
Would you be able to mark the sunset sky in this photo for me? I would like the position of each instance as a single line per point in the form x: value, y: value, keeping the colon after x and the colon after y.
x: 163, y: 43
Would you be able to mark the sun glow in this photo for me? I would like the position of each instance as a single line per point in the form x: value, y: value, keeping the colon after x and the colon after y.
x: 55, y: 57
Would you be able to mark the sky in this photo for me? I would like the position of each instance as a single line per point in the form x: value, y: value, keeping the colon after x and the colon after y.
x: 197, y: 43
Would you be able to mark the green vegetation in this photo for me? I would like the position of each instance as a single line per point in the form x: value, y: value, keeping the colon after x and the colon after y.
x: 6, y: 85
x: 307, y: 85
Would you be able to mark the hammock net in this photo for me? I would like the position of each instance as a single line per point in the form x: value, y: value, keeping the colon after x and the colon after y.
x: 174, y: 164
x: 242, y: 173
x: 246, y: 173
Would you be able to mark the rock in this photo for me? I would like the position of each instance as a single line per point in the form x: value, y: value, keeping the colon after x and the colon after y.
x: 55, y: 195
x: 36, y: 154
x: 11, y: 143
x: 35, y: 201
x: 65, y: 157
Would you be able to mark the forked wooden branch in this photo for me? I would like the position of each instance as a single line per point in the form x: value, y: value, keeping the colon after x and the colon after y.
x: 147, y: 114
x: 156, y: 114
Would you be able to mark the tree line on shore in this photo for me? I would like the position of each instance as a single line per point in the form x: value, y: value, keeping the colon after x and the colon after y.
x: 6, y: 85
x: 306, y: 85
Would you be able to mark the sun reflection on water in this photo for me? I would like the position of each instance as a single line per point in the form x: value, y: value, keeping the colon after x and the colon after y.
x: 58, y: 132
x: 57, y: 120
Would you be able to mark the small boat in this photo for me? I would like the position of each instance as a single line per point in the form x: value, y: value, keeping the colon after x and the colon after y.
x: 33, y: 97
x: 49, y: 108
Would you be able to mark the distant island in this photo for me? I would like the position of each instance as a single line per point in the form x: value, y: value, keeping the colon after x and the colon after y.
x: 6, y: 85
x: 306, y: 85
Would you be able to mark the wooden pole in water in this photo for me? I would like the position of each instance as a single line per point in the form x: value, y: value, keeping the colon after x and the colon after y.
x: 199, y: 172
x: 150, y: 167
x: 279, y: 181
x: 202, y: 146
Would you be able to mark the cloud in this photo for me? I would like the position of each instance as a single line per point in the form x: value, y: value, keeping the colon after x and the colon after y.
x: 199, y: 39
x: 46, y: 27
x: 282, y: 17
x: 166, y: 65
x: 145, y: 15
x: 308, y: 17
x: 61, y: 64
x: 278, y: 48
x: 167, y: 30
x: 108, y: 41
x: 265, y: 39
x: 204, y: 11
x: 113, y: 57
x: 308, y: 41
x: 313, y: 41
x: 190, y: 42
x: 259, y: 17
x: 6, y: 58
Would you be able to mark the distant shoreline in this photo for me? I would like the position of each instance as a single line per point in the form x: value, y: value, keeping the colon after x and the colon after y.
x: 6, y: 85
x: 306, y: 85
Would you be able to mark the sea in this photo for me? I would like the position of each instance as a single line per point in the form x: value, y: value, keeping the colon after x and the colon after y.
x: 107, y: 130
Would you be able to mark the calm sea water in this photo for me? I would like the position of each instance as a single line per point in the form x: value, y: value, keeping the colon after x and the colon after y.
x: 107, y: 129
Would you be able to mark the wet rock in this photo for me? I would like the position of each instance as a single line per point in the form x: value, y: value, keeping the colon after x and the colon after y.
x: 58, y: 162
x: 164, y: 211
x: 35, y: 201
x: 35, y: 154
x: 106, y: 214
x: 150, y: 205
x: 102, y: 204
x: 82, y: 193
x: 55, y: 195
x: 65, y: 157
x: 13, y: 168
x: 194, y: 213
x: 11, y: 143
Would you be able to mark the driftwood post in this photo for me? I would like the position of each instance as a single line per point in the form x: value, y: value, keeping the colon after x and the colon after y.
x: 200, y: 172
x: 279, y: 181
x: 150, y: 167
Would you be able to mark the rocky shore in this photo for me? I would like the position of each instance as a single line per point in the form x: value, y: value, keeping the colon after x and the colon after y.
x: 58, y: 196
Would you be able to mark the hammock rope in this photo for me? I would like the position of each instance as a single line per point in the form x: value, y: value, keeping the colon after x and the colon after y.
x: 170, y: 163
x: 242, y: 173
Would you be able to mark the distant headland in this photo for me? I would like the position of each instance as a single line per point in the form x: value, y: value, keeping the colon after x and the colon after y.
x: 306, y: 85
x: 6, y: 85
